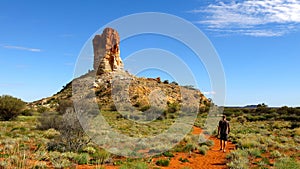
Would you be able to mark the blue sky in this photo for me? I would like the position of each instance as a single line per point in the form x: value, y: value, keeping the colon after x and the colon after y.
x: 257, y: 41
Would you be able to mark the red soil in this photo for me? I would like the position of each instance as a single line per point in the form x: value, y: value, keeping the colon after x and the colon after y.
x: 214, y: 159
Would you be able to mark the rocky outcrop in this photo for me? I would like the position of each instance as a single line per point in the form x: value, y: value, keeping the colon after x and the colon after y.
x: 107, y: 52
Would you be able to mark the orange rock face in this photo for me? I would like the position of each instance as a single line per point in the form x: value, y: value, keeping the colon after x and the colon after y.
x: 107, y: 52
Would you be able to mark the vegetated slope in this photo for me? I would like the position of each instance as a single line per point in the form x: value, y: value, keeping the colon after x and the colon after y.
x: 138, y: 93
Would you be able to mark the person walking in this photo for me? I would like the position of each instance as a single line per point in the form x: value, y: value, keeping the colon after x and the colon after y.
x: 223, y: 131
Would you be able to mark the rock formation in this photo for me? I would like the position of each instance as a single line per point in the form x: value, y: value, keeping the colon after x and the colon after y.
x: 107, y: 52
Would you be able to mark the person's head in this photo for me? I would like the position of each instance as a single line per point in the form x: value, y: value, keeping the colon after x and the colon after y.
x: 224, y: 117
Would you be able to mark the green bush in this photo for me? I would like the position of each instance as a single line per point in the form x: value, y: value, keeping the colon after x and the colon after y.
x: 254, y: 152
x: 190, y: 147
x: 134, y: 165
x: 162, y: 162
x: 275, y: 154
x: 209, y: 143
x: 287, y: 162
x: 72, y: 137
x: 40, y: 165
x: 168, y: 154
x: 27, y: 112
x: 238, y: 159
x: 203, y: 149
x: 10, y: 107
x: 63, y: 105
x: 82, y: 158
x: 49, y: 120
x: 101, y: 156
x: 42, y: 109
x: 184, y: 160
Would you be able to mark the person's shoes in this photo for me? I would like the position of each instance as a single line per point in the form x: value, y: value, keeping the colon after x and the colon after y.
x: 224, y: 151
x: 221, y: 149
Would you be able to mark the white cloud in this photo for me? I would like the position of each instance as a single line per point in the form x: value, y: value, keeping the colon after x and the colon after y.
x: 252, y: 17
x: 22, y: 48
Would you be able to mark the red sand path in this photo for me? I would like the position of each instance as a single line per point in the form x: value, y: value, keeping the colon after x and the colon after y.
x: 214, y: 158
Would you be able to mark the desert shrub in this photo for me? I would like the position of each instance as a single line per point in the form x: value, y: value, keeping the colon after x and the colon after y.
x: 51, y: 133
x: 247, y: 143
x: 209, y: 143
x: 168, y: 154
x: 90, y: 150
x: 100, y: 156
x: 134, y: 165
x: 58, y: 161
x: 69, y: 155
x: 173, y: 107
x: 254, y: 152
x: 145, y: 108
x: 238, y: 159
x: 190, y: 147
x: 113, y: 107
x: 42, y: 109
x: 184, y: 160
x: 275, y: 154
x: 203, y: 150
x: 63, y: 105
x: 27, y: 112
x: 40, y: 165
x: 72, y: 134
x: 297, y: 131
x: 82, y: 158
x: 264, y: 162
x: 287, y: 162
x: 49, y: 120
x: 162, y: 162
x: 241, y: 119
x: 10, y: 107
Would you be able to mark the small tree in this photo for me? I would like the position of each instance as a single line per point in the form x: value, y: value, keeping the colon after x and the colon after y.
x: 10, y: 107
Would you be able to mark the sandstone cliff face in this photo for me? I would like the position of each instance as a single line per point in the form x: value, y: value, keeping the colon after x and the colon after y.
x: 107, y: 52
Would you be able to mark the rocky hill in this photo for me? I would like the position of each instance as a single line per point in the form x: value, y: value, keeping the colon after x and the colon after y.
x: 112, y: 88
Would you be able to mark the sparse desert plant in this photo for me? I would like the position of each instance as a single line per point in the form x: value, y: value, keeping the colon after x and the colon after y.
x: 190, y: 147
x: 63, y: 105
x: 42, y: 109
x: 90, y: 150
x: 184, y: 160
x: 168, y: 154
x: 209, y: 143
x: 27, y: 112
x: 247, y: 143
x: 51, y: 133
x: 238, y: 159
x: 297, y: 131
x: 101, y: 156
x: 203, y: 149
x: 10, y: 107
x: 134, y: 165
x: 163, y: 162
x: 40, y: 165
x: 287, y: 162
x: 82, y: 158
x: 58, y: 161
x: 275, y: 154
x: 254, y: 152
x: 49, y: 120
